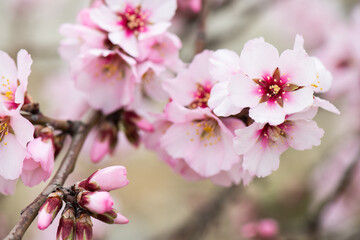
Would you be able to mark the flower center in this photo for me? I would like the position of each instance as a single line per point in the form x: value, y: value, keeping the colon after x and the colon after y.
x: 270, y: 135
x: 4, y: 127
x: 207, y: 131
x: 133, y: 20
x: 111, y: 67
x: 201, y: 95
x: 274, y: 88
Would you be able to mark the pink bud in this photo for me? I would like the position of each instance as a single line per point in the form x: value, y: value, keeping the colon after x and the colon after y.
x: 120, y: 219
x: 144, y: 125
x: 268, y: 228
x: 98, y: 202
x: 107, y: 179
x: 66, y: 227
x: 83, y: 227
x: 100, y: 149
x: 49, y: 210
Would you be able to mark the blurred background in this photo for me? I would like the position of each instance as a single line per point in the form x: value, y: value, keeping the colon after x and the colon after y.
x: 158, y: 201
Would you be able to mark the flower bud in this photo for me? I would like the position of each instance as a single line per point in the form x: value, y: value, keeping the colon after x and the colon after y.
x: 98, y: 202
x: 105, y: 141
x: 49, y: 210
x: 106, y: 179
x: 83, y: 227
x: 111, y: 217
x: 66, y: 227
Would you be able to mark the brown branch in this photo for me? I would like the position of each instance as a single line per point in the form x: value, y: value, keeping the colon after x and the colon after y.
x: 314, y: 218
x: 80, y: 131
x: 199, y: 222
x: 200, y: 35
x: 40, y: 119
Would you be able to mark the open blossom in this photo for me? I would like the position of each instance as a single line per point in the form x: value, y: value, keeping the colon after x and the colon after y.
x: 106, y: 77
x: 131, y: 21
x: 13, y: 81
x: 272, y: 86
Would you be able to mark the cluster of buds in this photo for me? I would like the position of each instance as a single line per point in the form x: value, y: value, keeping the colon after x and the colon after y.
x: 85, y: 199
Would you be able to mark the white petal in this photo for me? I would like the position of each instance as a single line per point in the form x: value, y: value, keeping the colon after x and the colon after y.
x: 304, y: 135
x: 267, y: 113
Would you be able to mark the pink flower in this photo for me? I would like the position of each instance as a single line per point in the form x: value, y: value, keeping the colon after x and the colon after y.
x: 106, y: 179
x: 49, y: 210
x: 13, y: 82
x: 272, y: 86
x: 262, y: 144
x: 39, y: 163
x: 98, y: 202
x: 131, y: 21
x: 106, y: 78
x: 15, y: 133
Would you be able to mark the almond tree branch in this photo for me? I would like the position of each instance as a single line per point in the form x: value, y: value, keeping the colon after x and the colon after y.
x: 200, y: 35
x: 199, y: 222
x: 79, y: 131
x: 314, y: 218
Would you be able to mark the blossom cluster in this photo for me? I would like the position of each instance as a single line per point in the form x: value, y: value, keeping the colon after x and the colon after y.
x: 231, y: 117
x: 25, y: 151
x: 85, y: 199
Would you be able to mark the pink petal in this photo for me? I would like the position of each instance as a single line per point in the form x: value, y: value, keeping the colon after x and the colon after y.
x: 319, y: 102
x: 12, y: 157
x: 304, y: 135
x: 178, y: 114
x: 7, y: 187
x: 104, y: 18
x: 154, y: 29
x: 160, y: 10
x: 261, y: 161
x: 246, y: 138
x: 267, y: 113
x: 128, y: 43
x: 224, y: 64
x: 298, y: 100
x: 243, y: 91
x: 24, y: 62
x: 23, y: 129
x: 8, y: 69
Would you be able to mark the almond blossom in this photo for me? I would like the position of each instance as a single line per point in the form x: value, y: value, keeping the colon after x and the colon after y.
x: 131, y: 21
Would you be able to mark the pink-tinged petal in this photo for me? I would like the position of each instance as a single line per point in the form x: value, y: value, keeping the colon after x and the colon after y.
x: 300, y: 68
x: 234, y: 176
x: 323, y: 80
x: 258, y: 57
x: 246, y: 138
x: 109, y: 178
x: 160, y: 10
x: 117, y: 6
x: 176, y: 113
x: 267, y: 113
x: 261, y: 160
x: 179, y: 140
x: 232, y: 124
x: 328, y: 106
x: 8, y: 69
x: 299, y: 43
x: 308, y: 114
x: 42, y: 151
x: 199, y: 68
x: 120, y: 219
x: 224, y: 64
x: 220, y: 100
x: 154, y: 29
x: 304, y: 135
x: 208, y: 160
x: 33, y: 177
x: 128, y: 43
x: 23, y: 129
x: 298, y: 100
x: 99, y: 149
x: 243, y: 91
x: 12, y: 157
x: 105, y: 18
x: 181, y: 92
x: 24, y: 62
x: 7, y: 187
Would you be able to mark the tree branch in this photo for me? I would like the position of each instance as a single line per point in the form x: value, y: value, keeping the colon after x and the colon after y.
x: 80, y: 131
x: 200, y: 35
x: 196, y: 226
x: 40, y: 119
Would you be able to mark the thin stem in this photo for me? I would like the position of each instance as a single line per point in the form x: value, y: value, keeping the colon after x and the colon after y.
x: 80, y: 132
x: 199, y: 222
x: 40, y: 119
x: 200, y: 35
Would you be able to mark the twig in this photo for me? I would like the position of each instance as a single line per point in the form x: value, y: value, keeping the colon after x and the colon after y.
x: 200, y: 35
x: 65, y: 126
x: 80, y: 132
x: 199, y: 222
x: 314, y: 218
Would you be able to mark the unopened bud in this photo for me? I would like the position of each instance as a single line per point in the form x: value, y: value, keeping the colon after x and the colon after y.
x: 83, y: 227
x: 66, y: 227
x: 105, y: 141
x: 49, y: 210
x: 98, y: 202
x: 111, y: 217
x: 106, y: 179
